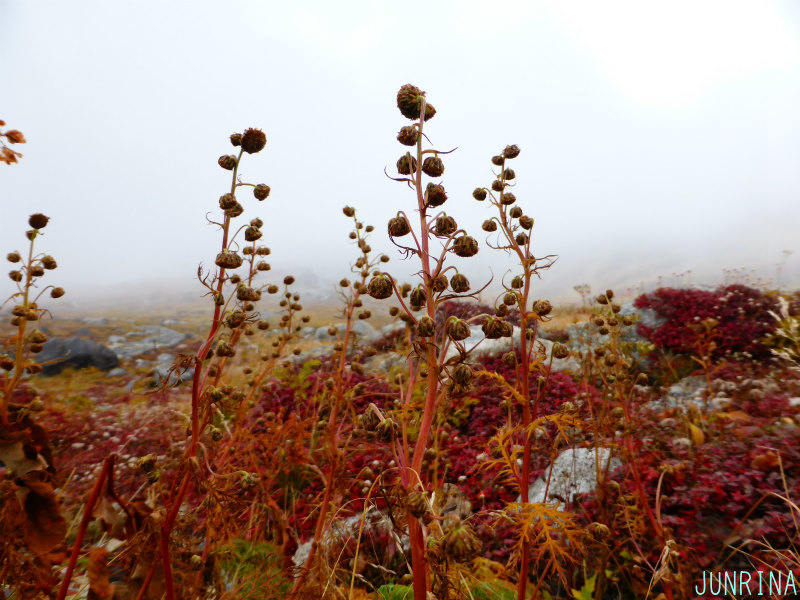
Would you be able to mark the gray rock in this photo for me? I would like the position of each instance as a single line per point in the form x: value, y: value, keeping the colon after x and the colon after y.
x: 647, y: 316
x: 83, y: 332
x: 363, y: 330
x: 573, y: 472
x: 153, y: 337
x: 162, y: 372
x: 689, y: 391
x: 75, y: 352
x: 382, y: 364
x: 95, y: 321
x: 118, y: 372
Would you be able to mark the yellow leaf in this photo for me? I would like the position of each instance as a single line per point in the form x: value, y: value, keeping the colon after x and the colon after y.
x: 698, y: 437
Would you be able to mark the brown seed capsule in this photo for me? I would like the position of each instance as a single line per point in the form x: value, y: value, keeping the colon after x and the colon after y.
x: 263, y: 325
x: 601, y: 299
x: 501, y: 311
x: 465, y: 246
x: 380, y: 287
x: 615, y: 308
x: 13, y: 257
x: 598, y: 320
x: 525, y: 222
x: 461, y: 544
x: 457, y: 329
x: 461, y: 374
x: 408, y: 135
x: 417, y: 298
x: 253, y: 140
x: 234, y: 211
x: 224, y: 349
x: 273, y: 289
x: 38, y: 221
x: 610, y: 359
x: 6, y: 363
x: 603, y: 331
x: 493, y: 328
x: 393, y: 311
x: 57, y: 292
x: 479, y: 194
x: 433, y: 166
x: 247, y: 294
x: 20, y: 310
x: 517, y: 282
x: 251, y: 234
x: 497, y: 161
x: 642, y: 379
x: 627, y: 320
x: 560, y: 351
x: 398, y: 227
x: 262, y: 251
x: 498, y: 185
x: 521, y: 238
x: 542, y: 307
x: 406, y: 165
x: 509, y: 174
x: 459, y: 283
x: 426, y: 327
x: 227, y: 162
x: 234, y: 279
x: 38, y: 337
x: 36, y: 348
x: 262, y: 266
x: 261, y: 191
x: 510, y: 359
x: 36, y: 271
x: 228, y: 260
x: 349, y: 211
x: 236, y: 139
x: 515, y: 212
x: 439, y: 284
x: 511, y: 151
x: 386, y: 429
x: 507, y: 198
x: 509, y: 298
x: 409, y: 101
x: 288, y: 280
x: 435, y: 194
x: 417, y: 504
x: 227, y: 201
x: 489, y: 226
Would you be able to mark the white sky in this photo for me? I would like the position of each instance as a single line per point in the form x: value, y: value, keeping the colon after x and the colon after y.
x: 656, y: 137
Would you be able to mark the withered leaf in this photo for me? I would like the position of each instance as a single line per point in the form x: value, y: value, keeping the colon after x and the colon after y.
x: 45, y: 528
x: 100, y: 588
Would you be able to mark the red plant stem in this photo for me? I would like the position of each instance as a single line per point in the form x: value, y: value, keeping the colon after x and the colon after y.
x: 147, y: 580
x: 97, y: 490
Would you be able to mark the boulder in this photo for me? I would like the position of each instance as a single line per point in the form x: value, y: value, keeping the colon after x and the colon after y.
x: 153, y: 337
x: 75, y: 352
x: 573, y: 472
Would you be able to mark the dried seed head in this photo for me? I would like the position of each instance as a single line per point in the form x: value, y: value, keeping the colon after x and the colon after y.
x: 398, y: 227
x: 560, y: 351
x: 417, y: 504
x: 461, y: 374
x: 517, y: 282
x: 433, y: 166
x: 38, y: 337
x: 147, y: 463
x: 38, y: 221
x: 497, y: 161
x: 288, y: 280
x: 610, y: 359
x: 57, y: 292
x: 459, y: 283
x: 509, y: 298
x: 457, y: 329
x: 461, y: 544
x: 36, y: 348
x: 409, y: 101
x: 493, y: 328
x: 408, y: 135
x: 601, y: 299
x: 349, y: 211
x: 445, y: 226
x: 49, y: 263
x: 247, y: 294
x: 261, y: 191
x: 434, y: 194
x: 525, y: 222
x: 598, y: 320
x: 439, y: 284
x: 227, y: 201
x: 426, y: 327
x: 263, y: 251
x: 224, y: 349
x: 497, y: 185
x: 13, y: 257
x: 507, y: 198
x: 542, y: 307
x: 406, y: 165
x: 627, y: 320
x: 509, y: 174
x: 515, y: 212
x: 228, y: 260
x: 603, y: 331
x: 521, y: 238
x: 393, y: 311
x: 262, y: 266
x: 253, y: 140
x: 227, y: 162
x: 465, y: 246
x: 615, y: 308
x: 609, y: 294
x: 236, y: 139
x: 417, y: 298
x: 234, y: 279
x: 272, y: 289
x: 510, y: 359
x: 501, y: 311
x: 234, y: 211
x: 6, y: 363
x: 511, y: 151
x: 380, y: 287
x: 489, y: 226
x: 642, y: 379
x: 479, y: 194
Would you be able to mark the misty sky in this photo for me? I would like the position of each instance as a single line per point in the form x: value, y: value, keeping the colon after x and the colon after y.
x: 656, y: 137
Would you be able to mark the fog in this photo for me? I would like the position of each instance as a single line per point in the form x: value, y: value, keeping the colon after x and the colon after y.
x: 656, y: 138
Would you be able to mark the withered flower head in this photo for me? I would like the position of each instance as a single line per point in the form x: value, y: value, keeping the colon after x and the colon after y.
x: 439, y: 284
x: 461, y: 374
x: 406, y: 164
x: 509, y: 174
x: 497, y: 160
x: 521, y: 238
x: 479, y: 194
x: 445, y: 226
x: 461, y: 544
x: 227, y: 162
x: 457, y: 329
x: 417, y: 298
x: 542, y: 307
x: 433, y: 166
x: 288, y: 280
x: 409, y: 101
x: 57, y: 292
x: 489, y: 226
x: 493, y: 328
x: 228, y: 260
x: 49, y: 263
x: 511, y: 151
x: 525, y: 222
x: 507, y: 198
x: 459, y: 283
x: 515, y: 212
x: 517, y: 282
x: 15, y: 276
x: 426, y: 327
x: 13, y: 257
x: 465, y: 246
x: 349, y: 211
x: 251, y: 234
x: 380, y: 287
x: 38, y: 221
x: 253, y: 140
x: 227, y: 201
x: 408, y: 136
x: 435, y: 194
x: 236, y: 139
x: 261, y: 191
x: 247, y: 294
x: 560, y: 351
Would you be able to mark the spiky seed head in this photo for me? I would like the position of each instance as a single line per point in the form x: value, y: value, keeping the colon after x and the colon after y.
x: 457, y: 329
x: 228, y: 260
x: 409, y: 101
x: 380, y: 287
x: 433, y: 166
x: 542, y: 307
x: 408, y: 136
x: 253, y: 140
x: 261, y: 191
x: 227, y: 162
